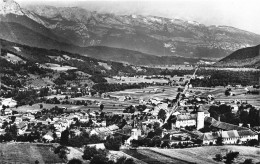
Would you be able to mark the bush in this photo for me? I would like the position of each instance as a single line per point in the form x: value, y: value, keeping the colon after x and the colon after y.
x: 231, y: 156
x: 75, y: 161
x: 218, y: 157
x: 124, y: 160
x: 219, y: 141
x: 90, y: 152
x: 98, y: 79
x: 248, y: 161
x: 113, y: 142
x: 99, y: 159
x: 253, y: 142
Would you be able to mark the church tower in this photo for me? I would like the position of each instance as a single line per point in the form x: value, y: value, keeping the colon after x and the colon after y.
x: 200, y: 118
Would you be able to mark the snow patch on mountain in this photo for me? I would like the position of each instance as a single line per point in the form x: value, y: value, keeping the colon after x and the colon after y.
x: 10, y: 7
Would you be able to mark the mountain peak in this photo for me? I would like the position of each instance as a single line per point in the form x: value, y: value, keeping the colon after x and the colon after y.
x: 10, y: 7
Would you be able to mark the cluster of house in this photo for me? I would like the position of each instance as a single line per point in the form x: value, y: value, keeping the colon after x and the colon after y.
x: 195, y: 114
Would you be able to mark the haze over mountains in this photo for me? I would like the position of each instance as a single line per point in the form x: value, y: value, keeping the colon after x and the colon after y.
x: 134, y: 39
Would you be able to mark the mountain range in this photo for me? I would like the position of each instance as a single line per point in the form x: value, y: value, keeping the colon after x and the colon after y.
x: 134, y: 39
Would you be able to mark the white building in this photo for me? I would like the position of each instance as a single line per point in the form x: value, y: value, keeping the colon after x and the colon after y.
x: 229, y: 137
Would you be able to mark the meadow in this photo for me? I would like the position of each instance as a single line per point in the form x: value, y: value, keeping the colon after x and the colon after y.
x: 28, y: 153
x: 207, y: 154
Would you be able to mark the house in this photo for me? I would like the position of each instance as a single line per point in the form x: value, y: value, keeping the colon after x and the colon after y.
x: 7, y: 111
x: 104, y: 131
x: 229, y: 137
x: 97, y: 146
x: 48, y: 136
x: 135, y: 135
x: 185, y: 120
x: 9, y: 102
x: 22, y: 127
x: 222, y: 125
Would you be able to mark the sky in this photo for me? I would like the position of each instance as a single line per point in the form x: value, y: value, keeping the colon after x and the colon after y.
x: 243, y: 14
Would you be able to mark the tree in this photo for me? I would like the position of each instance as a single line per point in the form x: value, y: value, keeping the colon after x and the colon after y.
x: 63, y: 154
x: 156, y: 141
x: 231, y: 156
x: 253, y: 142
x: 99, y: 159
x: 227, y: 92
x: 101, y: 107
x: 90, y: 152
x: 113, y: 143
x: 75, y: 161
x: 124, y: 160
x: 248, y: 161
x: 61, y: 151
x: 219, y: 141
x: 218, y: 157
x: 165, y: 144
x: 64, y: 139
x: 162, y: 114
x: 13, y: 118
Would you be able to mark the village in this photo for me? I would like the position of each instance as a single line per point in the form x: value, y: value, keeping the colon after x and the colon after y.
x: 173, y: 115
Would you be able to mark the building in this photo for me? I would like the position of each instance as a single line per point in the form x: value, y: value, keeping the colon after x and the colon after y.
x: 200, y: 119
x: 229, y: 137
x: 195, y: 119
x: 8, y: 102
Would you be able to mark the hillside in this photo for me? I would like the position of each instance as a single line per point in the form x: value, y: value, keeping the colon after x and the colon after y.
x: 246, y: 57
x: 23, y: 65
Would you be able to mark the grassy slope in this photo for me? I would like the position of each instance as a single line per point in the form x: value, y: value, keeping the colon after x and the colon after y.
x: 27, y: 153
x: 246, y: 57
x: 207, y: 153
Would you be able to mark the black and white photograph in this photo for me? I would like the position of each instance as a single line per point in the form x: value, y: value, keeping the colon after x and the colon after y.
x: 129, y: 82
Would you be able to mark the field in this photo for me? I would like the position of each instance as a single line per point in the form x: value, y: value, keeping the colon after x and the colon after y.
x: 57, y: 67
x: 123, y: 79
x: 109, y: 106
x: 153, y: 157
x: 219, y: 94
x: 159, y: 92
x: 11, y: 57
x: 27, y: 153
x: 207, y: 154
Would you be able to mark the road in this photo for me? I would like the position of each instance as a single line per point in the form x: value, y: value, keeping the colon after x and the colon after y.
x: 186, y: 88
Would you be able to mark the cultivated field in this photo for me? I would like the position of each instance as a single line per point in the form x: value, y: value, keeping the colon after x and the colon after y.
x: 135, y: 80
x: 152, y: 157
x: 240, y: 94
x: 159, y: 92
x: 207, y: 154
x: 58, y: 67
x: 27, y: 153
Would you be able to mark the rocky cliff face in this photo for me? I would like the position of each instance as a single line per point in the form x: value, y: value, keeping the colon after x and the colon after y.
x: 10, y: 7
